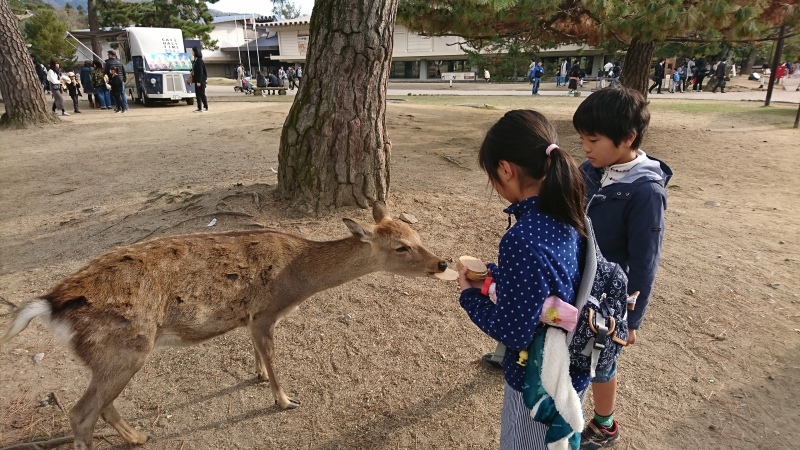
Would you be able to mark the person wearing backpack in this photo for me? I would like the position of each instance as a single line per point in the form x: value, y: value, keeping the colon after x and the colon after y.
x: 539, y: 259
x: 100, y: 83
x: 625, y: 198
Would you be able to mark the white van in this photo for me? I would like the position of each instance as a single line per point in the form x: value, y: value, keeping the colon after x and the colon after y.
x: 161, y: 66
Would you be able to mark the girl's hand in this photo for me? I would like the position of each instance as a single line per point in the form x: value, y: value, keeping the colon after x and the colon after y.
x: 465, y: 283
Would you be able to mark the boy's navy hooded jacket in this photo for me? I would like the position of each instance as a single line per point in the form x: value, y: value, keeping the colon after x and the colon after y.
x: 628, y: 220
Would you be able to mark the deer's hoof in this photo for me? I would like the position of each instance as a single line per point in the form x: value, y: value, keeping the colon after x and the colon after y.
x: 290, y: 404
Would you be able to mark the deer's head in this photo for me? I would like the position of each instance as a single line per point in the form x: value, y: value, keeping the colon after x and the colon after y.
x: 396, y: 247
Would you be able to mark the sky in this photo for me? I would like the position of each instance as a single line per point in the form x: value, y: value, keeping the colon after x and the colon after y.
x: 263, y: 7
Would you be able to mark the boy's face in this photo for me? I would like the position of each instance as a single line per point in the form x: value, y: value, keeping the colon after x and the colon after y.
x: 601, y: 151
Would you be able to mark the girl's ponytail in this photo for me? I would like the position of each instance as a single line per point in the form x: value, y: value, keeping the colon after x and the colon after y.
x: 562, y: 190
x: 527, y: 139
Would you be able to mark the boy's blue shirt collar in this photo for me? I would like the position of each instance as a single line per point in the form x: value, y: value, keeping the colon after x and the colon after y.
x: 520, y: 208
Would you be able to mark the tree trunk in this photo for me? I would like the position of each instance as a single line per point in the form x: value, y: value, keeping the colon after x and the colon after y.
x: 91, y: 9
x: 636, y: 70
x: 22, y: 93
x: 747, y: 67
x: 775, y: 62
x: 334, y: 148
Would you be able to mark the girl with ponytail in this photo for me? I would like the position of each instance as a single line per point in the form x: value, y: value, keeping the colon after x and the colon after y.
x: 539, y: 257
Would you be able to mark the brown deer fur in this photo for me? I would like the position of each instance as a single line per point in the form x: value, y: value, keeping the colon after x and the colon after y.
x: 182, y: 290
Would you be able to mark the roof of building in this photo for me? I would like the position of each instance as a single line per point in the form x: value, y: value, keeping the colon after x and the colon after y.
x: 262, y: 43
x: 302, y: 20
x: 232, y: 17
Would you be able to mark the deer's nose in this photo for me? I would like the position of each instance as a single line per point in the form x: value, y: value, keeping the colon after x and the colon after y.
x: 442, y: 266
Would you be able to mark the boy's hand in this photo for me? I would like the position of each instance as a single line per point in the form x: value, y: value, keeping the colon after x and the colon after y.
x: 465, y: 283
x: 631, y: 337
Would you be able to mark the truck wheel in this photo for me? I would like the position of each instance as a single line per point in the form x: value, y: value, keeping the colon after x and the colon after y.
x: 190, y: 101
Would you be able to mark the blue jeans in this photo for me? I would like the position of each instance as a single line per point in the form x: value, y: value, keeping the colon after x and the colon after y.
x: 125, y: 99
x: 103, y: 96
x: 536, y: 82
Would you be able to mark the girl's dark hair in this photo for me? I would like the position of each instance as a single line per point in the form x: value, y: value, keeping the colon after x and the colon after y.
x: 521, y: 137
x: 53, y: 63
x: 198, y: 52
x: 97, y: 64
x: 614, y: 113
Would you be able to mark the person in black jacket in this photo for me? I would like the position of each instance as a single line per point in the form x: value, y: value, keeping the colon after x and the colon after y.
x: 117, y: 90
x: 699, y: 74
x: 200, y: 77
x: 720, y: 73
x: 658, y: 77
x: 112, y: 61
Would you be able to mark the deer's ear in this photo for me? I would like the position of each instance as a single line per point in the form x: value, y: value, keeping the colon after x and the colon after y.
x: 380, y: 212
x: 358, y: 231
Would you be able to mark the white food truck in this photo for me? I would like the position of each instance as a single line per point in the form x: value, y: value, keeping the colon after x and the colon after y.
x: 161, y: 66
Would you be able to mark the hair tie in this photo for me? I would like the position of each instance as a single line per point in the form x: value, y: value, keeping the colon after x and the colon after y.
x: 550, y: 149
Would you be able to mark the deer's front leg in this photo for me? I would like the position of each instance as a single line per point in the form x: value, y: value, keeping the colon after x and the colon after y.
x: 262, y: 332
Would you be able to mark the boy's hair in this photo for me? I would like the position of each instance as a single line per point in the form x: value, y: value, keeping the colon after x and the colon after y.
x: 522, y: 137
x: 615, y: 113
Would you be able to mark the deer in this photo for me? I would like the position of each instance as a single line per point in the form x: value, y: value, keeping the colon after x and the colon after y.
x: 185, y: 289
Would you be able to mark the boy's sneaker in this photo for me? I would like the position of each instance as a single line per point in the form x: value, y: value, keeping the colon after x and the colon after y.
x: 596, y: 436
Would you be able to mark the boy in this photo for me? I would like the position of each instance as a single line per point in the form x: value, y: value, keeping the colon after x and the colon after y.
x: 626, y: 200
x: 117, y: 90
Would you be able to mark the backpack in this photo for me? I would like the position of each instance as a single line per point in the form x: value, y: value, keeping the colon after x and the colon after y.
x: 603, y: 302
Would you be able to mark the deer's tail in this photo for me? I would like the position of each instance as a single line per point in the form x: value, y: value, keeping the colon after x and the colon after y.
x: 36, y: 308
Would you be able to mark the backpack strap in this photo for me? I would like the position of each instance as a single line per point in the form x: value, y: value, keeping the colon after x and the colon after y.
x: 589, y: 271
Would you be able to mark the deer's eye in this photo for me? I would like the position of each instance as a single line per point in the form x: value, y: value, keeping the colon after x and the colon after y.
x: 401, y: 249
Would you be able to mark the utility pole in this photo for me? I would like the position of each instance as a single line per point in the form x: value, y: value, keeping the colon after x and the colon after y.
x: 775, y: 61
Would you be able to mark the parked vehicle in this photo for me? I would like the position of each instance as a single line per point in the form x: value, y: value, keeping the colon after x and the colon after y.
x: 161, y: 66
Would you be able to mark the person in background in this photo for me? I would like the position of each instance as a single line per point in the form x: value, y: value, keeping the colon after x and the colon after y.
x: 575, y: 75
x: 299, y: 74
x: 290, y: 75
x: 112, y: 61
x: 700, y: 72
x: 74, y: 89
x: 117, y: 89
x: 239, y: 75
x: 100, y: 83
x: 41, y: 73
x: 54, y: 79
x: 658, y: 77
x: 616, y: 71
x: 536, y: 77
x: 564, y: 71
x: 261, y: 80
x: 487, y: 76
x: 282, y: 76
x: 86, y: 83
x: 676, y: 82
x: 720, y: 72
x: 200, y: 76
x: 273, y: 81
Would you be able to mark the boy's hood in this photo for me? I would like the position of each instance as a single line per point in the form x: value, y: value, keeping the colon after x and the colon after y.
x: 649, y: 169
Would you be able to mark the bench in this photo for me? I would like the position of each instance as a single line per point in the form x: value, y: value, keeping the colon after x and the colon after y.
x: 271, y: 90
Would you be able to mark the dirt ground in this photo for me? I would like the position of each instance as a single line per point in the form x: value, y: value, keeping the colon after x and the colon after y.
x: 717, y: 361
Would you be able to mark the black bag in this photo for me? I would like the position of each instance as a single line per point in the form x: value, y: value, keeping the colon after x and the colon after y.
x: 603, y: 302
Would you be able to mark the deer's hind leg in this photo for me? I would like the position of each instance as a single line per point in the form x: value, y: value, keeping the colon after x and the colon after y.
x: 262, y: 332
x: 111, y: 372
